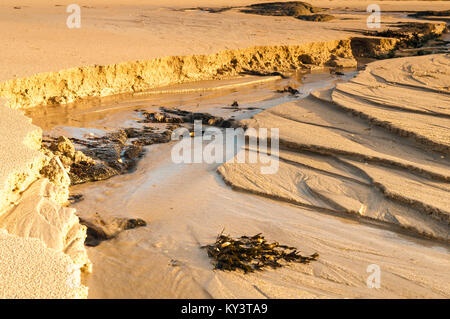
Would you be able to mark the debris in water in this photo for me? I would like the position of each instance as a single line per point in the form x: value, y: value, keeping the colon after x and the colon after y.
x: 117, y: 152
x: 75, y: 198
x: 290, y: 90
x: 336, y: 72
x: 252, y: 253
x: 100, y: 229
x: 175, y: 263
x: 316, y: 17
x: 101, y: 157
x: 206, y: 118
x: 263, y: 73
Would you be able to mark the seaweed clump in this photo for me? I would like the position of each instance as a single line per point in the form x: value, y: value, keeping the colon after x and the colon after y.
x: 298, y: 9
x: 252, y: 253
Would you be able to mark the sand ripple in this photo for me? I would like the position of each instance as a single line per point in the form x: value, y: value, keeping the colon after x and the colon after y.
x: 387, y: 161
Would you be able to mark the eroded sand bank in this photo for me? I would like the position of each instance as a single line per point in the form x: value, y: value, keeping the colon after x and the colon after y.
x: 42, y: 249
x: 174, y: 45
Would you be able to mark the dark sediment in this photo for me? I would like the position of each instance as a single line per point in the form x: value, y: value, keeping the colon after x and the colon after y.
x: 297, y: 9
x: 444, y: 13
x: 75, y: 198
x: 263, y: 73
x: 290, y: 8
x: 212, y: 10
x: 289, y: 90
x: 412, y: 35
x: 100, y: 158
x: 115, y: 153
x: 380, y: 44
x: 99, y: 229
x: 316, y: 17
x: 205, y: 118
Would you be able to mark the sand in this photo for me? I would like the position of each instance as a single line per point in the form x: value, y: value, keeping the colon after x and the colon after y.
x: 39, y: 215
x: 183, y: 216
x: 387, y: 92
x: 363, y: 164
x: 42, y: 244
x: 117, y: 31
x: 31, y: 270
x: 164, y: 259
x: 115, y: 35
x: 19, y: 155
x: 36, y: 40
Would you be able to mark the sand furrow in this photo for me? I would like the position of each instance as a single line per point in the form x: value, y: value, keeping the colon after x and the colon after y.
x: 376, y: 172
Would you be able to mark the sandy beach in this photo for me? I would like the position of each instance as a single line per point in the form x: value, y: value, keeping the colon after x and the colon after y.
x: 364, y: 143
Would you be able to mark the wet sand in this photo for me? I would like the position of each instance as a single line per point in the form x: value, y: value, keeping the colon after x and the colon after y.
x: 102, y: 60
x: 164, y: 260
x: 187, y: 205
x: 370, y: 153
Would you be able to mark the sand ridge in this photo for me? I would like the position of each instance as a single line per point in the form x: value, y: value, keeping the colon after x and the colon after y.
x: 38, y: 41
x: 386, y: 92
x: 403, y: 181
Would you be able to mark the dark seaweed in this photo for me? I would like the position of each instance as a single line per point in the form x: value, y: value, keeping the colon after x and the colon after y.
x: 252, y: 253
x: 290, y: 90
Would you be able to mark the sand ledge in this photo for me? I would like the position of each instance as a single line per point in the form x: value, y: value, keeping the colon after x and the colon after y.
x: 34, y: 222
x: 363, y: 165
